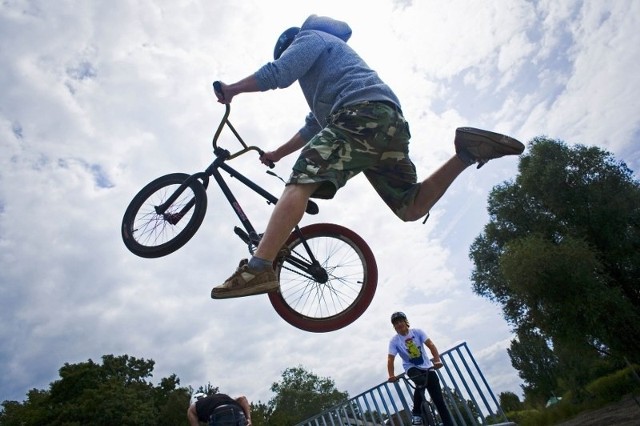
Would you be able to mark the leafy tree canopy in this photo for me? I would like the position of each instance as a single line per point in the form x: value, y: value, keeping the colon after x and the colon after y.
x: 536, y: 363
x: 561, y: 255
x: 299, y: 395
x: 509, y: 401
x: 116, y: 392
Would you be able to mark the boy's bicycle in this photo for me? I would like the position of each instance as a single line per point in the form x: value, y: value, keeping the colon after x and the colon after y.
x: 427, y: 409
x: 328, y: 274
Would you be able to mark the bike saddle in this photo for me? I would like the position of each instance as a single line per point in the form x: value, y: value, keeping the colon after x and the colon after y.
x: 312, y: 208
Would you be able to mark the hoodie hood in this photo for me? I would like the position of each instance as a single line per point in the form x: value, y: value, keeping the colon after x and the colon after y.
x: 328, y: 25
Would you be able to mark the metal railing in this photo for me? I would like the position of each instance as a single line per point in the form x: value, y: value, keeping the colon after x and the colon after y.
x: 467, y: 393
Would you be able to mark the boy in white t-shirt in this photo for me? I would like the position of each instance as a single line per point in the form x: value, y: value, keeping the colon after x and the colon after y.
x: 408, y: 343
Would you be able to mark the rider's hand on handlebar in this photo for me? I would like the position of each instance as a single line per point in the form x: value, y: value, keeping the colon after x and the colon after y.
x: 392, y: 379
x: 437, y: 365
x: 222, y: 92
x: 269, y: 158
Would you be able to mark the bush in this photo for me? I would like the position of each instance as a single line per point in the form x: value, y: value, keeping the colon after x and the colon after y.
x: 520, y: 417
x: 614, y: 386
x: 602, y: 391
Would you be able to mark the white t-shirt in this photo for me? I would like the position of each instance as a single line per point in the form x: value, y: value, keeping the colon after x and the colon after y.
x: 411, y: 349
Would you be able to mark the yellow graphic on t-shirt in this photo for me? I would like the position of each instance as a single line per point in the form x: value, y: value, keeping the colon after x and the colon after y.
x: 415, y: 354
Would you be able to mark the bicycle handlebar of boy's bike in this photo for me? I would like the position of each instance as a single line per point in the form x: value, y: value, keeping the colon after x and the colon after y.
x: 217, y: 87
x: 436, y: 366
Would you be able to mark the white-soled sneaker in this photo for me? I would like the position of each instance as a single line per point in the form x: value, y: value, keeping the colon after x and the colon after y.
x: 479, y: 146
x: 246, y: 282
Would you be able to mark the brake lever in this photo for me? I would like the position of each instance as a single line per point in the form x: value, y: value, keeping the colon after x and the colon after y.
x: 273, y: 174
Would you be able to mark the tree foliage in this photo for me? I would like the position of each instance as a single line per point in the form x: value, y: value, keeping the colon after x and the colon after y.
x: 116, y: 392
x: 260, y: 414
x: 509, y: 401
x: 561, y: 255
x: 299, y: 395
x: 458, y: 406
x: 536, y: 363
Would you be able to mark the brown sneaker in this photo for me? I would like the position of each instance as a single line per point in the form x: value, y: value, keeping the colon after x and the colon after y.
x: 479, y: 146
x: 246, y: 282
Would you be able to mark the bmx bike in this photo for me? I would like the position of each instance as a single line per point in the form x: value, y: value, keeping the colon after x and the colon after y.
x: 427, y: 408
x: 328, y: 274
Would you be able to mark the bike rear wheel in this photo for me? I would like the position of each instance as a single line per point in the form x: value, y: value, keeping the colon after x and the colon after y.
x: 148, y: 233
x: 351, y: 279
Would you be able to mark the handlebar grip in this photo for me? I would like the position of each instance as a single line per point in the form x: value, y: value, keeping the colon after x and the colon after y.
x: 269, y: 163
x: 217, y: 88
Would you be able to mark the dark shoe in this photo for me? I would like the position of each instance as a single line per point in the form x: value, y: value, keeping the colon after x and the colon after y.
x: 479, y: 146
x: 246, y: 282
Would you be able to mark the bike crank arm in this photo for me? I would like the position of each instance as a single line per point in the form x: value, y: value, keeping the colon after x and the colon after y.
x: 310, y: 270
x: 250, y: 240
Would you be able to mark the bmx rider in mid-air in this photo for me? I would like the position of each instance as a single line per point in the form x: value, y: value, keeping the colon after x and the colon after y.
x: 355, y: 125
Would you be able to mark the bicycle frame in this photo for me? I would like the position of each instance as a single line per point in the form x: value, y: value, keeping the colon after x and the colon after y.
x: 249, y: 234
x: 427, y: 413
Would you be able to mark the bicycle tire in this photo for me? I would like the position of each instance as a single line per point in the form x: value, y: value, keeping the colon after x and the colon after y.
x: 148, y: 234
x: 428, y: 414
x: 353, y: 277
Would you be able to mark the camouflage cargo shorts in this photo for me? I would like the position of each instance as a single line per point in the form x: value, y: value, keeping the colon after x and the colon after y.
x: 369, y: 137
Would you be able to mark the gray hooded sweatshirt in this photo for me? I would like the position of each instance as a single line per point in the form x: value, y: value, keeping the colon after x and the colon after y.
x: 330, y: 73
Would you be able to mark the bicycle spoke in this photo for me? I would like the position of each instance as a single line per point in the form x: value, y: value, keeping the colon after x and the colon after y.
x: 152, y: 228
x: 321, y: 300
x: 148, y: 233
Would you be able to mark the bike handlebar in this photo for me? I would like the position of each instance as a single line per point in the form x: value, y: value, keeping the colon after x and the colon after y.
x: 396, y: 378
x: 217, y: 87
x: 436, y: 366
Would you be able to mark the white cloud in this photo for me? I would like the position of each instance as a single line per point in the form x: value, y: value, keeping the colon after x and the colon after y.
x: 100, y: 98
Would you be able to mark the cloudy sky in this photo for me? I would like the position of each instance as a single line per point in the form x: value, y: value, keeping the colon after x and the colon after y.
x: 100, y: 97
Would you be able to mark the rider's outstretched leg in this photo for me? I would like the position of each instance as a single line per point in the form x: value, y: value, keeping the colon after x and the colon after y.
x: 473, y: 146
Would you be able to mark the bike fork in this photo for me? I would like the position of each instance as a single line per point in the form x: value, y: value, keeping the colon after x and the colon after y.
x: 174, y: 218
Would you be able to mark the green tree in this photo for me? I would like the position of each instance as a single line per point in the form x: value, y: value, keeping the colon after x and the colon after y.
x: 36, y: 413
x: 208, y: 389
x: 457, y: 404
x: 260, y: 414
x: 171, y: 401
x: 301, y: 394
x: 509, y: 401
x: 116, y: 392
x: 536, y: 363
x: 561, y: 252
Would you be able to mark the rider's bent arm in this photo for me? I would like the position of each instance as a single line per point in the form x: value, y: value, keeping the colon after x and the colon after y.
x: 242, y: 401
x: 246, y: 85
x: 434, y: 351
x: 390, y: 369
x: 292, y: 145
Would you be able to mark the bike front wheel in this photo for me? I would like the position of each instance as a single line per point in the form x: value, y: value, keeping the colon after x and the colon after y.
x: 428, y: 414
x: 149, y: 233
x: 348, y: 283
